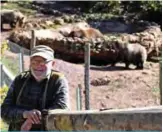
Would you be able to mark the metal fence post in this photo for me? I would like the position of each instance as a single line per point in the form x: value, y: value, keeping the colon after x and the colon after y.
x: 79, y: 98
x: 21, y: 61
x: 87, y: 81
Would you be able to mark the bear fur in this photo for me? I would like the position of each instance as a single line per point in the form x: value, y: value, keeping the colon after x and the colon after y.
x: 13, y: 17
x: 130, y: 54
x: 86, y: 33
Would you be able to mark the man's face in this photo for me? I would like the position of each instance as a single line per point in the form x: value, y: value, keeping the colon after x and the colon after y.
x: 40, y: 67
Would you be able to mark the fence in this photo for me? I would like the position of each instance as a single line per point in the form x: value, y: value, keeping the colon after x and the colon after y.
x: 12, y: 62
x: 6, y: 76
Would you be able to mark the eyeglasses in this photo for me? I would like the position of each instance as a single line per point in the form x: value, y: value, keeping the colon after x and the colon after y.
x: 39, y: 62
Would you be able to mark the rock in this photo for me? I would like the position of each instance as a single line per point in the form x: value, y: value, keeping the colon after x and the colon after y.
x: 28, y: 26
x: 145, y: 72
x: 103, y: 105
x: 66, y: 18
x: 107, y: 96
x: 49, y: 23
x: 59, y: 21
x: 100, y: 81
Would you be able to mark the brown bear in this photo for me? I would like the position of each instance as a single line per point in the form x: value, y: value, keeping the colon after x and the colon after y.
x: 13, y: 17
x: 130, y: 54
x: 86, y: 33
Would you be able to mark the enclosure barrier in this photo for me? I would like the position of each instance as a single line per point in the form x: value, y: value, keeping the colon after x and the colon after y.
x: 6, y: 76
x: 121, y: 119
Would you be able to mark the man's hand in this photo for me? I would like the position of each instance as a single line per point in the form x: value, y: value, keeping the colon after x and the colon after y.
x: 33, y: 115
x: 27, y: 125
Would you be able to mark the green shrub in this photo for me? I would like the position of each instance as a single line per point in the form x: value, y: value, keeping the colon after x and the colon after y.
x: 3, y: 92
x: 23, y: 6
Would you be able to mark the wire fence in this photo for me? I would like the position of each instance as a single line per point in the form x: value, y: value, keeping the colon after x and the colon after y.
x: 12, y: 62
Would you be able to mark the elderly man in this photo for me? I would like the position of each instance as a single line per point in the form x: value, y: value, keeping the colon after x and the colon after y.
x: 34, y: 90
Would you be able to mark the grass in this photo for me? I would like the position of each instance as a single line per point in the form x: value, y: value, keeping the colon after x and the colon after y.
x: 23, y: 6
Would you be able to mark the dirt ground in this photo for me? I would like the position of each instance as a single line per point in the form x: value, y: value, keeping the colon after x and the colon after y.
x: 111, y: 87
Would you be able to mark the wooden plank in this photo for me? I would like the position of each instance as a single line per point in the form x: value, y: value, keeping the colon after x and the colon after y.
x: 124, y: 119
x: 33, y: 39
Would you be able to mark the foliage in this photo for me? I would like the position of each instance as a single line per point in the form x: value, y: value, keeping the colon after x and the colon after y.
x: 106, y: 7
x: 10, y: 63
x: 3, y: 92
x: 85, y: 6
x: 151, y: 11
x: 24, y: 6
x: 4, y: 47
x: 151, y: 5
x: 3, y: 126
x: 145, y: 10
x: 98, y: 16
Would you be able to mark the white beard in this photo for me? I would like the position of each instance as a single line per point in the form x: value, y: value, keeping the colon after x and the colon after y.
x: 42, y: 76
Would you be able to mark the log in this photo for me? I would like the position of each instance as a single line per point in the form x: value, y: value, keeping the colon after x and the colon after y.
x: 149, y: 118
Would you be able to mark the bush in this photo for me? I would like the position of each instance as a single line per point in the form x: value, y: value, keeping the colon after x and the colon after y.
x: 106, y: 7
x: 3, y: 92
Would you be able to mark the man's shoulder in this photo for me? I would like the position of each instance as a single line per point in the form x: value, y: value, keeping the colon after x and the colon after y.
x: 24, y: 74
x: 57, y: 74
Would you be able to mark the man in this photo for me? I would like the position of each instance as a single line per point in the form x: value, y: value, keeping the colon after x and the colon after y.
x: 34, y: 90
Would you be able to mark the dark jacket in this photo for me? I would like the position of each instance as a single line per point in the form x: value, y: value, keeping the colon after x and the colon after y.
x: 18, y: 98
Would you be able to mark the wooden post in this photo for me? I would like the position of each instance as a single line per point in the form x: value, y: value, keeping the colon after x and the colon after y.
x: 80, y: 95
x: 87, y: 81
x: 33, y: 39
x: 160, y: 82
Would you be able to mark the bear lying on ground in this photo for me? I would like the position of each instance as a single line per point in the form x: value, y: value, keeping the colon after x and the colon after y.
x: 86, y: 33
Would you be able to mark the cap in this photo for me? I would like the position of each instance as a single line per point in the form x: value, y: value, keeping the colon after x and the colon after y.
x: 43, y: 51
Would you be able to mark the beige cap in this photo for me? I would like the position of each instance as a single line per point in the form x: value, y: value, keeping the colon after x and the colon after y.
x: 43, y: 51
